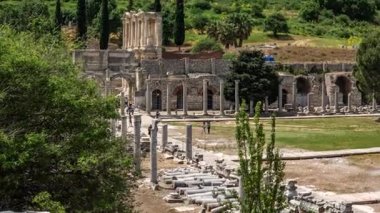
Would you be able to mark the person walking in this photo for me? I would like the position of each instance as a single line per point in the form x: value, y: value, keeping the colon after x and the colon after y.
x: 204, y: 127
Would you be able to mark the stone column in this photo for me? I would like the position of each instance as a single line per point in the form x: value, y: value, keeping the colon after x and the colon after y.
x: 323, y: 96
x: 137, y: 147
x: 349, y: 102
x: 107, y: 83
x: 237, y: 104
x: 309, y: 101
x: 294, y: 95
x: 184, y: 96
x: 113, y: 127
x: 130, y: 92
x: 189, y: 141
x: 159, y: 31
x: 138, y: 76
x: 251, y: 107
x: 266, y: 104
x: 168, y: 99
x: 164, y: 141
x: 336, y: 100
x: 122, y: 103
x: 204, y: 97
x: 153, y: 152
x: 144, y: 32
x: 280, y: 97
x: 147, y: 97
x: 221, y: 97
x: 374, y: 104
x: 124, y: 128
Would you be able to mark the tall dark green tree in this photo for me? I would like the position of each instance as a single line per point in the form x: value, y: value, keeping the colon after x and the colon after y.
x: 130, y: 5
x: 257, y: 79
x: 104, y: 26
x: 367, y: 70
x: 157, y: 6
x: 58, y: 15
x: 261, y: 180
x: 179, y: 24
x: 81, y: 20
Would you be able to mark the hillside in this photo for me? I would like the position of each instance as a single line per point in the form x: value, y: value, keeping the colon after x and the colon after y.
x: 309, y: 27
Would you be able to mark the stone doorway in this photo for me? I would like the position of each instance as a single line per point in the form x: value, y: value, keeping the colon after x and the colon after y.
x: 345, y: 86
x: 156, y: 100
x: 284, y: 97
x: 303, y: 88
x: 179, y: 95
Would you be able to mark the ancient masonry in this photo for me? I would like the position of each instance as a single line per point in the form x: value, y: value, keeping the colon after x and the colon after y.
x: 152, y: 82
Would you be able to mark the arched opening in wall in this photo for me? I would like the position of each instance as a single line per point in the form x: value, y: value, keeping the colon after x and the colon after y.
x: 179, y: 94
x: 345, y: 86
x: 303, y: 88
x: 156, y: 100
x: 284, y: 97
x: 210, y: 95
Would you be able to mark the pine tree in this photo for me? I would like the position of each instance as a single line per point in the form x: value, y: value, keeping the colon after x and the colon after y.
x: 179, y: 25
x: 157, y: 6
x: 130, y: 5
x: 104, y: 26
x: 81, y: 20
x: 261, y: 181
x: 58, y: 15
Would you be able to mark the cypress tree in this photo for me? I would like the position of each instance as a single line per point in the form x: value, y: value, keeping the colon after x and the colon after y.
x: 179, y: 25
x: 130, y: 5
x: 58, y: 15
x: 104, y: 26
x: 81, y: 20
x: 157, y: 6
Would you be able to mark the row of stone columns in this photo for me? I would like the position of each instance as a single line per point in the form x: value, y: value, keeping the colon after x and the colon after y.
x: 148, y: 97
x: 139, y: 32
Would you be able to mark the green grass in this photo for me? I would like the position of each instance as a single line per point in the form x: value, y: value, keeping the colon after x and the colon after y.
x: 313, y: 134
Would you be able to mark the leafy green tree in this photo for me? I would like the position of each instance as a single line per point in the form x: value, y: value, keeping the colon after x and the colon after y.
x: 355, y: 9
x: 104, y: 27
x: 261, y: 180
x: 310, y: 11
x: 367, y: 70
x: 257, y: 79
x: 179, y: 24
x: 58, y: 15
x: 200, y: 23
x: 81, y: 20
x: 242, y: 25
x: 276, y: 23
x: 157, y: 6
x: 53, y: 132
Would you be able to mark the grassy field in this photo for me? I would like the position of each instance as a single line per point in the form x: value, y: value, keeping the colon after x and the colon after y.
x: 310, y: 134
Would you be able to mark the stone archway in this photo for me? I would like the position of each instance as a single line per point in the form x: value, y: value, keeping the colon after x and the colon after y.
x: 178, y: 92
x: 344, y: 86
x: 303, y: 88
x: 156, y: 100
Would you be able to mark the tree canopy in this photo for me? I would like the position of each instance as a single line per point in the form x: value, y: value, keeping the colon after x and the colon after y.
x: 367, y: 70
x: 276, y: 23
x: 256, y: 79
x: 179, y: 24
x: 54, y: 142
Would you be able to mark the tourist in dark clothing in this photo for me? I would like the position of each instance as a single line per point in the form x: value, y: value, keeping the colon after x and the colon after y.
x: 150, y: 130
x: 157, y: 114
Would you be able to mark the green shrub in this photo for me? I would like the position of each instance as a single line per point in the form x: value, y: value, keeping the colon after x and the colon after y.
x: 310, y: 11
x: 206, y: 44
